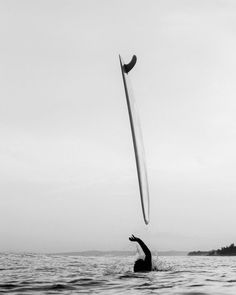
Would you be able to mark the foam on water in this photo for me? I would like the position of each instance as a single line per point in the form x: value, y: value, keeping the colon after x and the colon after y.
x: 53, y: 274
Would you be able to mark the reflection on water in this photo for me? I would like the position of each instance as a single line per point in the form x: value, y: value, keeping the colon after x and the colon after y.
x: 51, y: 274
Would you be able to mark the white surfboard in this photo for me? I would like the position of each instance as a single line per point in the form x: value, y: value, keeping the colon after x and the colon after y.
x: 137, y: 139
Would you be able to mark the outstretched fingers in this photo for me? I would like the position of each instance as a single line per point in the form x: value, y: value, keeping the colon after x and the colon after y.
x: 133, y: 238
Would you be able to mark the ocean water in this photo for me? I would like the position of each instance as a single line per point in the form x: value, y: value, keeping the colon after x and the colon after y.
x: 56, y: 274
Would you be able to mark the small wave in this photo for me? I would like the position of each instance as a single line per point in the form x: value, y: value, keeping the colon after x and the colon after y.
x: 80, y: 280
x: 58, y: 287
x: 131, y: 275
x: 52, y: 287
x: 86, y: 283
x: 194, y: 293
x: 213, y: 280
x: 231, y: 281
x: 8, y: 286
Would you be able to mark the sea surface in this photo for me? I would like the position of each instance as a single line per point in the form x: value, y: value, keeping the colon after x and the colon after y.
x: 61, y: 274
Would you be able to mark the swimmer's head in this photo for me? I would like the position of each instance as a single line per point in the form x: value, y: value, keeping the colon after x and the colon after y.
x: 139, y: 265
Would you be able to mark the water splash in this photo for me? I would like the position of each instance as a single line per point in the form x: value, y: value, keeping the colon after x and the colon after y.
x: 160, y: 265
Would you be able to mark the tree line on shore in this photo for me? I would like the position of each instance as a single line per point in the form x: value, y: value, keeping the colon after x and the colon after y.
x: 224, y: 251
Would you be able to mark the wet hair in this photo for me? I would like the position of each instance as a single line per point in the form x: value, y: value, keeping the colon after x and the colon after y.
x: 139, y: 265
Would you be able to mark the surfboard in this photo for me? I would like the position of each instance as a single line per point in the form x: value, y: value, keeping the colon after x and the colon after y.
x: 137, y: 138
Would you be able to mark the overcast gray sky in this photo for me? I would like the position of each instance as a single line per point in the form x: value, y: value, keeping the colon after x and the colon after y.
x: 67, y: 172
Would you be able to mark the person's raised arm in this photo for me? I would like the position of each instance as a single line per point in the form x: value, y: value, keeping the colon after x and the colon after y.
x: 145, y: 249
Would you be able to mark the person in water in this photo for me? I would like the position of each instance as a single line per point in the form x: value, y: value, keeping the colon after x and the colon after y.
x: 145, y: 264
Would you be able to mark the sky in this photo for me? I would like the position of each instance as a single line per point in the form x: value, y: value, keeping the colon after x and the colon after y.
x: 68, y: 179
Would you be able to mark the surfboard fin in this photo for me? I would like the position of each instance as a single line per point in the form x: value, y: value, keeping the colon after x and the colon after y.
x: 128, y: 67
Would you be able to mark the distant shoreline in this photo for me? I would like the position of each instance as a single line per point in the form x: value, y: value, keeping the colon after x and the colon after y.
x: 224, y: 251
x: 118, y: 253
x: 97, y: 253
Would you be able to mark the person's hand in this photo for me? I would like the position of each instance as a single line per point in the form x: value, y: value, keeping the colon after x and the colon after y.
x: 133, y: 238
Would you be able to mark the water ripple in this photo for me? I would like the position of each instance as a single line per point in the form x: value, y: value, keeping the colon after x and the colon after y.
x: 54, y: 274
